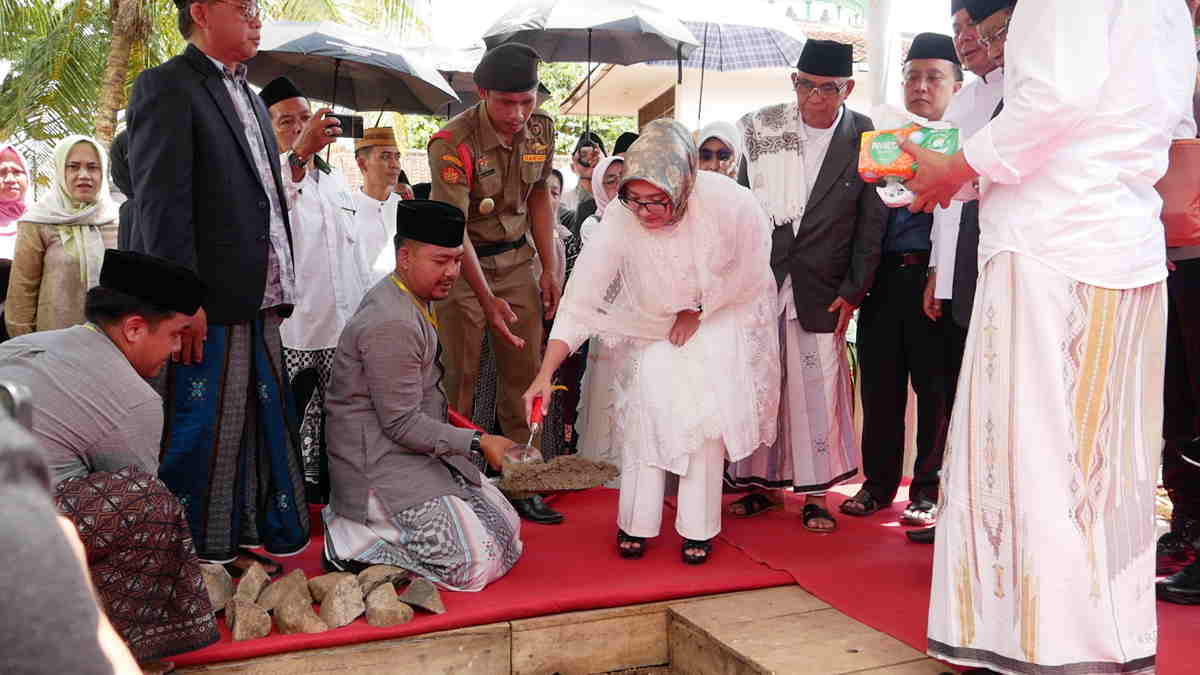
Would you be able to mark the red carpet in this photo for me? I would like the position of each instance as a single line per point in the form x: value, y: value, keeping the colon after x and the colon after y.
x: 568, y: 567
x: 869, y: 571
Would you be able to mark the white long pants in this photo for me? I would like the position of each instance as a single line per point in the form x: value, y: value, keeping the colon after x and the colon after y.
x: 699, y: 514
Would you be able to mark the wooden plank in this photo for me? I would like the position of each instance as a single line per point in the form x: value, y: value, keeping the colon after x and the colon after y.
x: 922, y: 667
x: 822, y: 642
x: 482, y: 650
x: 695, y: 652
x: 709, y: 614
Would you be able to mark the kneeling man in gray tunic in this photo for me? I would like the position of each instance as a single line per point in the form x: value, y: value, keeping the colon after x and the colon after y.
x: 404, y: 489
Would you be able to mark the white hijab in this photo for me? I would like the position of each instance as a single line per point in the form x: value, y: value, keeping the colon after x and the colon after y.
x: 727, y: 134
x: 78, y: 222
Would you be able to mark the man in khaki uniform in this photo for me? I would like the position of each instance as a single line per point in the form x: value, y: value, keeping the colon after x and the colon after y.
x: 492, y: 161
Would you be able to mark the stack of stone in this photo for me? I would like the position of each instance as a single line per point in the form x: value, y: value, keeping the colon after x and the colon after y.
x: 342, y: 596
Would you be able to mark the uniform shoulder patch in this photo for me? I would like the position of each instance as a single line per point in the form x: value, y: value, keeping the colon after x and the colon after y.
x: 451, y: 175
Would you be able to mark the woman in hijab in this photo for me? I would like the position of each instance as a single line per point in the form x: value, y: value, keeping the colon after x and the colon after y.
x: 720, y: 150
x: 61, y: 241
x: 689, y: 325
x: 14, y: 182
x: 595, y: 384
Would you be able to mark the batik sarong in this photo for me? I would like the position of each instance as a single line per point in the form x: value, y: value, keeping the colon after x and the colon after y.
x: 461, y: 544
x: 230, y: 447
x: 1045, y: 546
x: 142, y: 561
x: 816, y: 447
x: 317, y: 364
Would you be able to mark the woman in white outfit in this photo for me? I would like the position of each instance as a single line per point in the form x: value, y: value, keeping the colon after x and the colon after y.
x: 689, y: 327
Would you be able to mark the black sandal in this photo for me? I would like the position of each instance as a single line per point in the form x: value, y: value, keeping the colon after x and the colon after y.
x: 865, y: 502
x: 812, y: 512
x: 692, y: 558
x: 267, y: 564
x: 753, y: 504
x: 635, y: 550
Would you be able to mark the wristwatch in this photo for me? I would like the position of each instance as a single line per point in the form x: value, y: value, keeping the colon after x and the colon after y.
x: 477, y: 442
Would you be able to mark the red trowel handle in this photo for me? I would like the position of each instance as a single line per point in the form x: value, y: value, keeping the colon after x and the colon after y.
x: 535, y: 416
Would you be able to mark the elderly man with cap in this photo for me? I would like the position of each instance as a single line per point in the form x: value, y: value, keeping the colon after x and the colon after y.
x: 801, y: 163
x: 378, y: 157
x: 210, y: 196
x: 100, y: 426
x: 896, y: 340
x: 331, y: 276
x: 1044, y: 559
x: 492, y: 161
x: 405, y: 491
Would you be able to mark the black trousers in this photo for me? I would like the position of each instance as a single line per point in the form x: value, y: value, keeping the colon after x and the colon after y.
x: 896, y: 342
x: 1181, y: 393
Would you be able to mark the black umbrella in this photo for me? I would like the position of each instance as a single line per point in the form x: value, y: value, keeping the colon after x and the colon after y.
x: 606, y: 31
x: 357, y: 70
x: 457, y: 65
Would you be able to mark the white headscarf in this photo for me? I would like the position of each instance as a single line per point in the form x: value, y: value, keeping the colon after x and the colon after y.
x: 78, y: 222
x: 598, y: 193
x: 727, y: 134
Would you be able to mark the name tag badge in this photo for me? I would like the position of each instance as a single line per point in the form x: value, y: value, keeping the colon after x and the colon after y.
x: 534, y: 158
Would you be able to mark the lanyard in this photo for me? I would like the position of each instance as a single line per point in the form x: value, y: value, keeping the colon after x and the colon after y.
x: 426, y: 312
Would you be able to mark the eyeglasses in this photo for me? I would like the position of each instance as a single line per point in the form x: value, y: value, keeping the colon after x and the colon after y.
x: 656, y: 208
x: 720, y: 155
x: 249, y: 10
x: 996, y: 37
x: 806, y: 88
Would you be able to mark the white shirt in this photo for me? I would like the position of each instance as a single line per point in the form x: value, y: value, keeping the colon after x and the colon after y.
x: 375, y: 222
x: 330, y: 274
x: 1095, y: 90
x: 969, y: 111
x: 814, y: 145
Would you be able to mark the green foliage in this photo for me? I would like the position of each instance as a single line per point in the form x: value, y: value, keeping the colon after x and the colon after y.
x: 560, y: 78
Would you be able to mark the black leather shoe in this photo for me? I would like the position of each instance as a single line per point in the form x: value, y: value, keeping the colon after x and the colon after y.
x: 535, y: 510
x: 921, y: 536
x: 1181, y: 588
x: 1172, y: 552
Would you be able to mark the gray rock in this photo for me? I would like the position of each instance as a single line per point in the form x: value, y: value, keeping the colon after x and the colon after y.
x: 252, y: 583
x: 319, y: 586
x: 219, y: 585
x: 296, y: 615
x: 247, y: 621
x: 343, y: 603
x: 385, y: 609
x: 421, y: 593
x: 294, y: 585
x: 374, y: 575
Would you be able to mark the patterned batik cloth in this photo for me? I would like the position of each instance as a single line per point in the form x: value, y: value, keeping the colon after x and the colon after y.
x: 230, y: 448
x: 816, y: 447
x: 142, y: 561
x: 312, y: 422
x: 1045, y: 545
x: 462, y: 544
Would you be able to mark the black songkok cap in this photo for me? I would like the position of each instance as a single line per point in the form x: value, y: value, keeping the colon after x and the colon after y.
x: 826, y: 58
x: 982, y: 9
x: 956, y: 5
x: 932, y: 46
x: 279, y: 89
x: 511, y: 66
x: 158, y: 281
x: 590, y: 138
x: 431, y: 222
x: 623, y: 142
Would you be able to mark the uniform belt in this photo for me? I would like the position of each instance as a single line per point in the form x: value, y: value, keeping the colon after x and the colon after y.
x: 489, y: 250
x: 909, y: 259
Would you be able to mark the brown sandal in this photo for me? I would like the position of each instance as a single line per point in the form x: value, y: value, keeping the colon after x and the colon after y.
x: 813, y: 512
x: 862, y: 504
x: 753, y: 504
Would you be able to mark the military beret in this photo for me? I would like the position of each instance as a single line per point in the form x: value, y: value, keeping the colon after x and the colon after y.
x: 279, y: 89
x: 826, y: 58
x: 157, y: 281
x: 932, y: 46
x: 431, y: 222
x: 956, y: 5
x: 511, y: 67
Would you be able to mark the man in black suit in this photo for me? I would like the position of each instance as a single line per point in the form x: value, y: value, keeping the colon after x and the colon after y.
x: 209, y: 185
x: 802, y: 164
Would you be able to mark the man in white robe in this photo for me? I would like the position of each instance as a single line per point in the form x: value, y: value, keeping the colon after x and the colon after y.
x: 802, y: 164
x: 1044, y: 559
x: 378, y: 158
